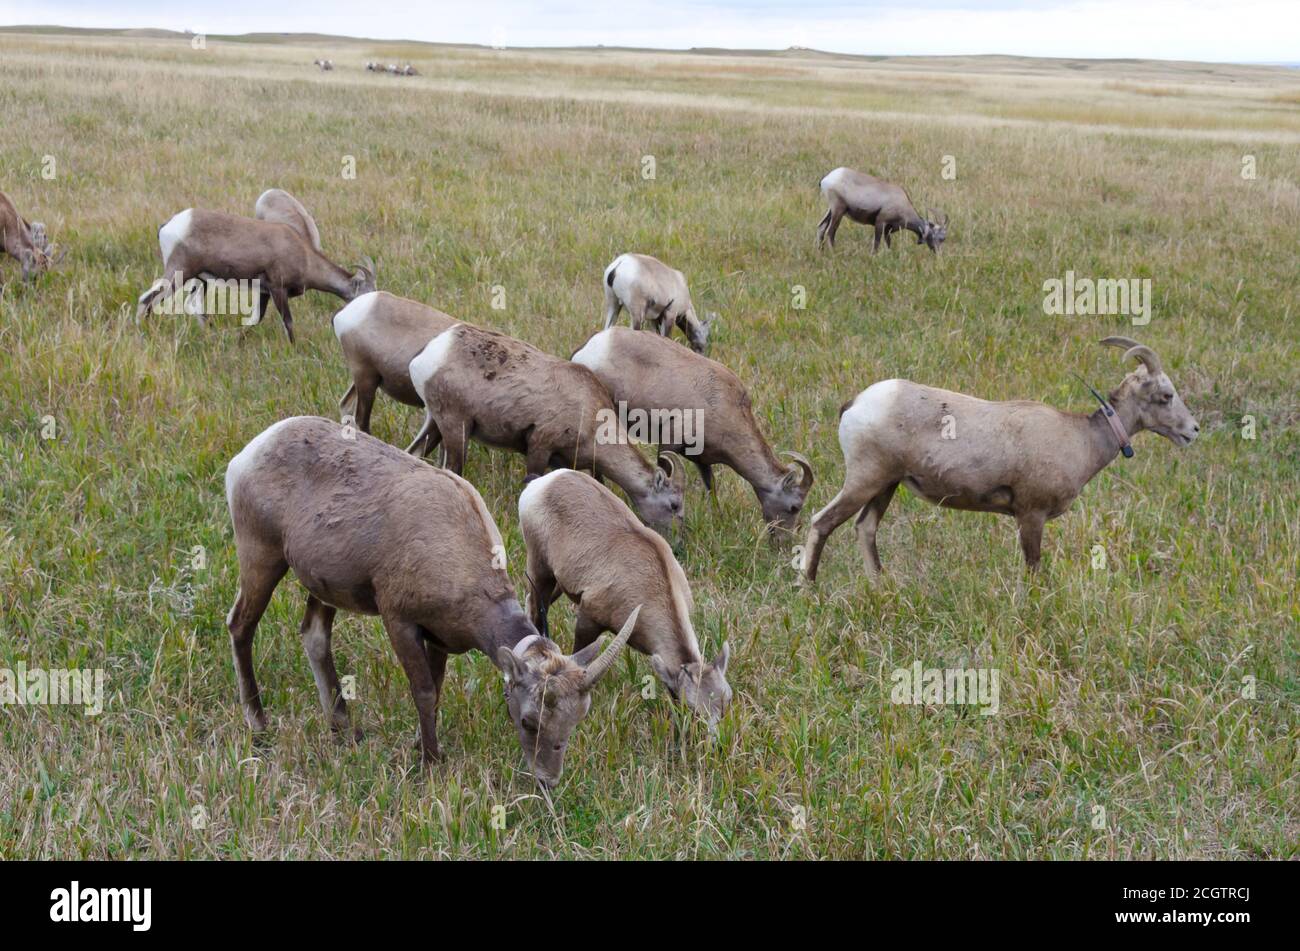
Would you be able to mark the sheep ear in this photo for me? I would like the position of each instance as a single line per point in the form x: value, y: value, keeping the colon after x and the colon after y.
x: 511, y: 666
x: 721, y: 661
x: 584, y: 657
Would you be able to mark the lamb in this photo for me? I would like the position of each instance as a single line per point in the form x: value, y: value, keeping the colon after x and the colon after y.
x: 214, y: 245
x: 652, y: 291
x: 367, y: 528
x: 380, y: 335
x: 25, y: 241
x: 658, y: 378
x: 505, y: 393
x: 1020, y: 458
x: 870, y: 201
x: 276, y: 204
x: 585, y: 543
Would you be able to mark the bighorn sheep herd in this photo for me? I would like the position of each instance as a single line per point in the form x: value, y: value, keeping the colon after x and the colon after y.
x: 370, y: 529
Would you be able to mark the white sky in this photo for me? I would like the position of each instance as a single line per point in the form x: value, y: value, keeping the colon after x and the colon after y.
x: 1211, y: 30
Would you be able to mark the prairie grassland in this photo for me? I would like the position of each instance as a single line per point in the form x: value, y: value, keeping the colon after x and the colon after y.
x: 1127, y: 727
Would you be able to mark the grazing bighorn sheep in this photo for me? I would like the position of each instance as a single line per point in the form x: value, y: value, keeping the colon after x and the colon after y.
x: 380, y: 335
x: 215, y: 245
x: 585, y: 543
x: 478, y: 384
x: 372, y: 67
x: 25, y: 241
x: 1019, y: 458
x: 324, y: 64
x: 409, y: 70
x: 652, y: 291
x: 276, y: 204
x: 869, y: 201
x: 367, y: 528
x: 656, y: 376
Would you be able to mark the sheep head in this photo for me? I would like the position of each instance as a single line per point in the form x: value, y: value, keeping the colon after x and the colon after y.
x: 783, y: 502
x: 701, y: 687
x: 548, y: 693
x: 1149, y: 391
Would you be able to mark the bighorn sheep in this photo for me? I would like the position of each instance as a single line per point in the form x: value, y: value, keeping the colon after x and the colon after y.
x: 325, y: 64
x: 869, y: 201
x: 373, y: 67
x: 585, y: 543
x: 652, y: 291
x: 276, y: 204
x: 367, y: 528
x: 676, y: 387
x: 380, y: 335
x: 1021, y: 458
x: 505, y: 393
x: 409, y: 70
x: 214, y: 245
x: 25, y: 241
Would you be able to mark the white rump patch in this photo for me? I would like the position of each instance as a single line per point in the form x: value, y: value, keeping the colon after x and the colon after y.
x: 595, y: 353
x: 872, y: 407
x: 174, y: 232
x: 354, y: 313
x: 530, y: 498
x: 246, y: 459
x: 432, y: 358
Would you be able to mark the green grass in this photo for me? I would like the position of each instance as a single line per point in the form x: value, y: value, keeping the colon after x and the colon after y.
x: 1121, y: 688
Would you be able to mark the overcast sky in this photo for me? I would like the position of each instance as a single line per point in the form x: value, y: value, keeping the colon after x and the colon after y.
x: 1246, y: 31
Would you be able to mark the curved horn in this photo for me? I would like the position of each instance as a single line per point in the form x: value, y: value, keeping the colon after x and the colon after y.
x: 368, y: 265
x: 803, y: 464
x: 676, y: 468
x: 1144, y: 355
x: 600, y: 666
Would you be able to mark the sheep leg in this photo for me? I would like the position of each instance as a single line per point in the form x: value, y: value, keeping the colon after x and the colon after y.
x: 1030, y: 525
x: 408, y: 643
x: 542, y: 592
x: 875, y: 241
x: 263, y: 302
x: 160, y: 289
x: 427, y: 439
x: 822, y: 226
x: 612, y: 307
x: 537, y: 458
x: 453, y: 440
x: 836, y: 216
x: 706, y: 475
x: 316, y: 631
x: 846, y: 503
x: 585, y: 631
x: 260, y: 570
x: 868, y: 521
x: 281, y: 298
x: 348, y: 401
x: 365, y: 402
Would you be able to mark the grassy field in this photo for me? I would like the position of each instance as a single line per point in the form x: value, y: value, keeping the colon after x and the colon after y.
x: 1128, y: 726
